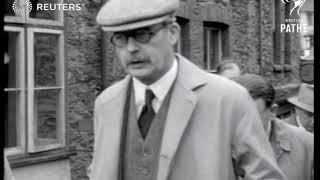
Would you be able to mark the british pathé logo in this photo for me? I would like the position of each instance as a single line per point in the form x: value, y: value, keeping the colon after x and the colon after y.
x: 297, y: 5
x: 21, y: 8
x: 294, y: 25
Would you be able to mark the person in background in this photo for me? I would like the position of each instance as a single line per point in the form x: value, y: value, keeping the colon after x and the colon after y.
x: 293, y: 147
x: 169, y: 119
x: 229, y: 69
x: 303, y: 108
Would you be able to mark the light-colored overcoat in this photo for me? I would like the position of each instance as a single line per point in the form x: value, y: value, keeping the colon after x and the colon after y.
x: 210, y: 118
x: 294, y: 150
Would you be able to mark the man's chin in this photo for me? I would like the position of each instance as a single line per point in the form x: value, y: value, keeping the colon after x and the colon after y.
x: 140, y: 74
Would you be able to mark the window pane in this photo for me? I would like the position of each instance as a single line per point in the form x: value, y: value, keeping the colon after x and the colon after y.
x: 46, y: 53
x: 214, y: 49
x: 45, y: 9
x: 205, y: 48
x: 46, y: 115
x: 10, y: 60
x: 12, y: 111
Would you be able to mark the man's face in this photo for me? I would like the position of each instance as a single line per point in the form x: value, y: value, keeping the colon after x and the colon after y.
x: 306, y: 118
x: 149, y: 61
x: 266, y: 113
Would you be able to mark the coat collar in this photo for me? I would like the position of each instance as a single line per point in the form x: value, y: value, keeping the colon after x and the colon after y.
x: 280, y: 139
x: 182, y: 103
x: 189, y: 76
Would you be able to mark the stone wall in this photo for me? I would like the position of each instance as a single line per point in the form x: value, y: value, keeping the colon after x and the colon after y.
x: 83, y: 81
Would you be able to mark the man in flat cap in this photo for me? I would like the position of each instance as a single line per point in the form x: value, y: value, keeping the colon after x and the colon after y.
x: 303, y: 108
x: 168, y: 119
x: 293, y: 147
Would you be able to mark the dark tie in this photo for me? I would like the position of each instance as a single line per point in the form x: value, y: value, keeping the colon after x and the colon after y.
x: 147, y: 114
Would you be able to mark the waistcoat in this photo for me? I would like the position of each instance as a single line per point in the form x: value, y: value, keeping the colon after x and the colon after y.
x: 141, y: 156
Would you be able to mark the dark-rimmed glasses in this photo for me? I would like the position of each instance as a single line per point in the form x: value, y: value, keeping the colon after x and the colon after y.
x: 143, y: 35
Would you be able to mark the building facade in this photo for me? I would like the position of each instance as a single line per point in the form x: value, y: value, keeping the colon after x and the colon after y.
x: 58, y: 61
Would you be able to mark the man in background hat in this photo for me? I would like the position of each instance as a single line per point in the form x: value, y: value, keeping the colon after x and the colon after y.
x: 229, y: 69
x: 303, y: 108
x: 293, y: 147
x: 168, y: 119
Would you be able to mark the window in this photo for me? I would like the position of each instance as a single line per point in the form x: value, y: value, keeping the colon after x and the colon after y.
x: 216, y: 44
x: 14, y: 62
x: 281, y: 41
x: 276, y: 19
x: 35, y: 93
x: 306, y: 38
x: 287, y: 42
x: 45, y: 89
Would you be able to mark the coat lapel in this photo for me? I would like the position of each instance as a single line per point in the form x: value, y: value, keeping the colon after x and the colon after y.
x: 112, y: 127
x: 280, y: 140
x: 182, y: 104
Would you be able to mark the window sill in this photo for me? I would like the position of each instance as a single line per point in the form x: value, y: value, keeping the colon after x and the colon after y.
x: 25, y: 161
x: 287, y: 67
x: 278, y: 68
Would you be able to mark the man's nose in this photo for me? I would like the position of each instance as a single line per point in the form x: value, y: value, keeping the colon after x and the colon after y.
x: 132, y: 45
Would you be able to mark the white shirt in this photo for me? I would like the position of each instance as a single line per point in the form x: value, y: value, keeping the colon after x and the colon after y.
x: 160, y: 89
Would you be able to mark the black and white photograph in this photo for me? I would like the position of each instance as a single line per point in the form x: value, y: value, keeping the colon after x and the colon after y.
x: 158, y: 89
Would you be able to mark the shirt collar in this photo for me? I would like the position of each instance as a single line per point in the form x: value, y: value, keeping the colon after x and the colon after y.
x: 160, y: 88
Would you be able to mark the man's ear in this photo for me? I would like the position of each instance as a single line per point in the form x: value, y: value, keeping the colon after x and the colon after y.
x: 274, y: 108
x: 174, y: 33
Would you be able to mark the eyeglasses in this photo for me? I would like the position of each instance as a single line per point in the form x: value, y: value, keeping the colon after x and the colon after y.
x: 144, y: 35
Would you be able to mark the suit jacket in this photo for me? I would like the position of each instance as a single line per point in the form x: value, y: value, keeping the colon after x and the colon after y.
x: 210, y: 119
x: 294, y: 149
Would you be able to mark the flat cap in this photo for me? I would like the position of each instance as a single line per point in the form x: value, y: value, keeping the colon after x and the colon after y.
x: 123, y: 15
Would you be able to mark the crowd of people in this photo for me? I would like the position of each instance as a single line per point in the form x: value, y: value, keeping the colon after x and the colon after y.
x: 291, y: 138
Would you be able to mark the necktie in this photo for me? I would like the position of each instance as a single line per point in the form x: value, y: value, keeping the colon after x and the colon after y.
x: 147, y: 114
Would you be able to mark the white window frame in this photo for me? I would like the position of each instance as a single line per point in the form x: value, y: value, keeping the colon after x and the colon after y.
x: 31, y: 90
x: 208, y: 30
x: 21, y: 121
x: 37, y: 21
